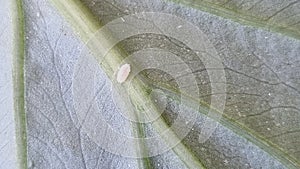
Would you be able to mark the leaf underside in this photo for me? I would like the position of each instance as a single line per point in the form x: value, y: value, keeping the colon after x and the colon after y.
x: 260, y: 124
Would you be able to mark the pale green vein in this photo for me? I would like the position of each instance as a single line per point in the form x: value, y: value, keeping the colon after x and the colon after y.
x: 18, y: 82
x: 140, y: 93
x: 141, y: 133
x: 86, y: 25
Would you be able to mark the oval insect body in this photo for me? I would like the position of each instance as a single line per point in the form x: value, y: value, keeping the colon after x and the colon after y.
x: 123, y: 73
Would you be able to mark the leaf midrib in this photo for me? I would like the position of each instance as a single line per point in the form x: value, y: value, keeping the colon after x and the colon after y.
x: 18, y: 82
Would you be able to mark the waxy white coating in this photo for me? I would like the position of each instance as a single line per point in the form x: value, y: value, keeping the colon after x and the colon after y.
x: 123, y: 73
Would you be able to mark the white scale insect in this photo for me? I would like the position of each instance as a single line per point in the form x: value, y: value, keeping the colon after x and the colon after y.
x: 123, y: 73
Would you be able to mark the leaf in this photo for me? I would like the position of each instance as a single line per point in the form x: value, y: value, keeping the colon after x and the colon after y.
x: 55, y: 139
x: 262, y: 91
x: 277, y: 16
x: 13, y: 124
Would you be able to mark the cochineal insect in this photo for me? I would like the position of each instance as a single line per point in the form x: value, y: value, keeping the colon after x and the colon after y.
x: 123, y: 73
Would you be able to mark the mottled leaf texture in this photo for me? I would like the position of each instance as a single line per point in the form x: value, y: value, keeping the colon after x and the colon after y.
x: 257, y: 41
x: 8, y: 153
x: 55, y: 139
x: 274, y: 15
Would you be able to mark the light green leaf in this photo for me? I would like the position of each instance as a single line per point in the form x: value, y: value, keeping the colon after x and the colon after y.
x: 260, y: 124
x: 13, y: 123
x: 278, y: 16
x: 55, y: 138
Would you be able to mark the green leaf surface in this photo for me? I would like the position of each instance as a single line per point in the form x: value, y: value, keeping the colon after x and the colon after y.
x: 277, y: 16
x: 255, y: 90
x: 13, y: 152
x: 55, y: 138
x: 6, y: 87
x: 260, y: 123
